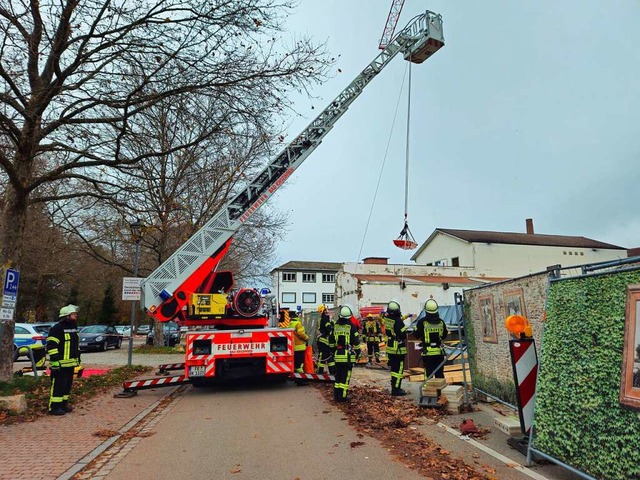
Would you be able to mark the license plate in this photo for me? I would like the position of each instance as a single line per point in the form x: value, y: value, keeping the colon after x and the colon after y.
x: 83, y: 344
x: 196, y: 371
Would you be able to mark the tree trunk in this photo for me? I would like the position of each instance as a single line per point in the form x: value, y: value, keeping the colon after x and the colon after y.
x: 14, y: 214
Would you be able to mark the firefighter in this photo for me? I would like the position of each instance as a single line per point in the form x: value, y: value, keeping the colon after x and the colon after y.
x: 346, y: 343
x: 396, y: 346
x: 325, y: 329
x: 64, y: 356
x: 431, y: 330
x: 373, y: 335
x: 300, y: 339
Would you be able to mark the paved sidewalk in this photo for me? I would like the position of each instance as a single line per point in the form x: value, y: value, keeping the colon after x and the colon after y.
x: 51, y: 446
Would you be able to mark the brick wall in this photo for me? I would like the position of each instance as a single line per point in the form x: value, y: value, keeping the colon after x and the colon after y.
x: 491, y: 356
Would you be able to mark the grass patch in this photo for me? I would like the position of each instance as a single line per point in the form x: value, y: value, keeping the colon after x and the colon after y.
x: 36, y: 391
x: 152, y: 349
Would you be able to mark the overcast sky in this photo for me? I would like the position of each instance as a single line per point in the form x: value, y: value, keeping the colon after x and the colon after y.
x: 530, y: 110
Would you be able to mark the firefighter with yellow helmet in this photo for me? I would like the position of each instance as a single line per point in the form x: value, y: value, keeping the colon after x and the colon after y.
x: 345, y: 341
x: 373, y: 336
x: 325, y: 352
x: 431, y: 330
x: 63, y: 347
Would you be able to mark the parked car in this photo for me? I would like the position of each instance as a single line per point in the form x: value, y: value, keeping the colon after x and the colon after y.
x: 171, y: 332
x: 43, y: 327
x: 99, y: 337
x: 124, y: 330
x: 27, y: 335
x: 143, y: 329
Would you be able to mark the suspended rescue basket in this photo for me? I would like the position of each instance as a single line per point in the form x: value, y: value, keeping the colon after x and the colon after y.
x: 406, y: 241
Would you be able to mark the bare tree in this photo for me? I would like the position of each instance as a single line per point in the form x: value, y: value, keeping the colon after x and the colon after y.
x: 76, y: 79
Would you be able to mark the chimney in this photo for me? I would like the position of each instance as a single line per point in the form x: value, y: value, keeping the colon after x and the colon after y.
x: 375, y: 261
x: 529, y: 226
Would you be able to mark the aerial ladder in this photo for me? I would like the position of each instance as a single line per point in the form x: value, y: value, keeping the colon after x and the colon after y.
x: 392, y: 21
x: 187, y: 287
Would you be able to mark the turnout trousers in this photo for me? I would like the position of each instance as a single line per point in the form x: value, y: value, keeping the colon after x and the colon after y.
x: 326, y: 359
x: 431, y: 362
x: 396, y: 363
x: 373, y: 348
x: 61, y: 382
x: 341, y: 384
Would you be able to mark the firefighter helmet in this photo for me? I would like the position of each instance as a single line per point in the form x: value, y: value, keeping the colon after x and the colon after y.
x: 68, y: 310
x: 393, y: 307
x: 431, y: 306
x: 370, y: 315
x: 345, y: 312
x: 321, y: 308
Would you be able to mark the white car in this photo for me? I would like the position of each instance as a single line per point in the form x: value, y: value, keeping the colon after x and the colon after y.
x: 124, y: 330
x: 27, y: 335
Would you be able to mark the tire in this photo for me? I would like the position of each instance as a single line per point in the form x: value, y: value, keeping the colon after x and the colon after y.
x: 15, y: 353
x: 119, y: 344
x: 103, y: 347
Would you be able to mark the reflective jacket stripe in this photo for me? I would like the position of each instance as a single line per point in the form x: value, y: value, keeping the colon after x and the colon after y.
x: 67, y: 347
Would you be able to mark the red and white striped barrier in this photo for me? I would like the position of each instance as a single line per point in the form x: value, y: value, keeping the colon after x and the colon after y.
x: 524, y: 359
x: 170, y: 366
x: 154, y: 382
x: 319, y: 377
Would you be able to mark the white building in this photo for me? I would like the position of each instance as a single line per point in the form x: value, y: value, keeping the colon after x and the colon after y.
x: 507, y: 254
x: 448, y: 262
x: 373, y: 283
x: 305, y: 285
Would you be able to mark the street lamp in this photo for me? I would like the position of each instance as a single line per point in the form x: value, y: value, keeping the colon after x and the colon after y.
x: 136, y: 236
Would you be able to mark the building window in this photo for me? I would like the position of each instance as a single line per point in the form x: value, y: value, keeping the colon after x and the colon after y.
x: 327, y: 298
x: 288, y: 297
x: 309, y: 277
x: 455, y: 262
x: 328, y: 277
x: 630, y: 385
x: 440, y: 263
x: 288, y: 276
x: 308, y: 297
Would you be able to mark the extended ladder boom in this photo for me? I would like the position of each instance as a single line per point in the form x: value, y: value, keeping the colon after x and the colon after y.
x: 165, y: 291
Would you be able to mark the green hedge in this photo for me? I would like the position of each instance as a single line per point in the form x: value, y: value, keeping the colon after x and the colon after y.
x: 578, y: 417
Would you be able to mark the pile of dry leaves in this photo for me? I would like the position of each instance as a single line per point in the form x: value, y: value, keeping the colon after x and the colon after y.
x: 392, y: 420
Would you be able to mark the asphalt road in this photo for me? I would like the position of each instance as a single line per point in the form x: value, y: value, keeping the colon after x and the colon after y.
x: 272, y: 432
x: 280, y: 432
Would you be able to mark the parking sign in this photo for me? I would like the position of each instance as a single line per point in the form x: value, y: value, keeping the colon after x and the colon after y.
x: 11, y: 279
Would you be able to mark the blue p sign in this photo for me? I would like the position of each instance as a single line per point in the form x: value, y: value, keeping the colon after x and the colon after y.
x: 11, y: 279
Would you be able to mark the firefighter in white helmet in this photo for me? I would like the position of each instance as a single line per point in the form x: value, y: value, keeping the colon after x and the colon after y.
x: 63, y: 347
x: 396, y: 346
x: 346, y: 344
x: 431, y: 331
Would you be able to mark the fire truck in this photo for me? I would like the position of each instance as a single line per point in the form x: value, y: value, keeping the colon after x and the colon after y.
x: 188, y: 289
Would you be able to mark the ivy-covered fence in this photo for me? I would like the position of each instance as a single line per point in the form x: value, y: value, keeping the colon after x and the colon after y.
x: 578, y: 418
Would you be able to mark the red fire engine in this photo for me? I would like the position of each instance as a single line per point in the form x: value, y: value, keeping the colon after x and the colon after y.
x: 187, y: 288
